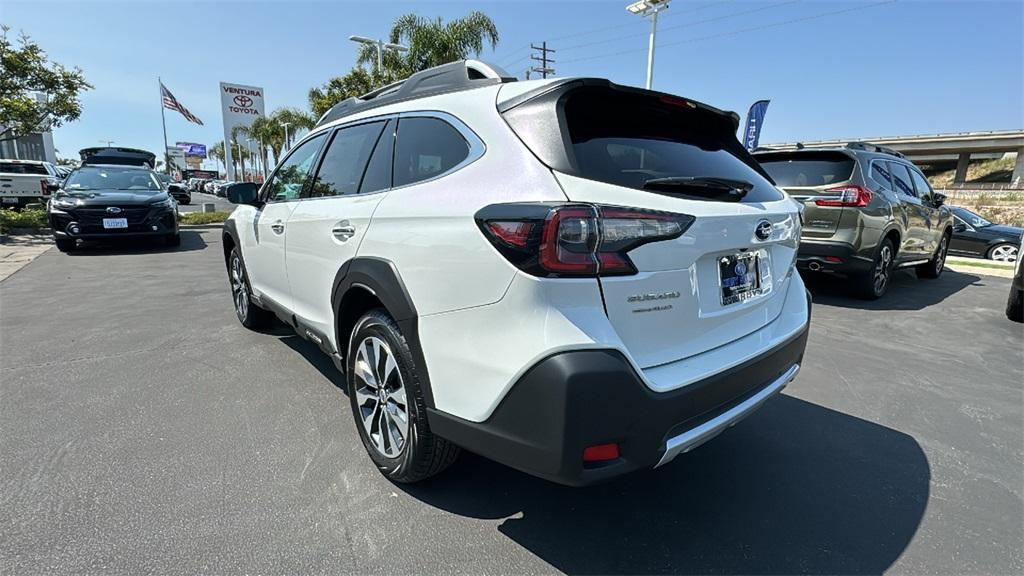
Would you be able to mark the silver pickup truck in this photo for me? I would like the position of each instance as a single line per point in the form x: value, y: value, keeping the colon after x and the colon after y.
x: 25, y: 182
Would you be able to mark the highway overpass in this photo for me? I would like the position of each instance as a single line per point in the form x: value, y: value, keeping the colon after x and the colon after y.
x: 935, y: 149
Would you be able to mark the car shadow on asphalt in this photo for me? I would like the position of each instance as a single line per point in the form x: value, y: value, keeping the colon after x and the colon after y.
x: 906, y: 291
x: 190, y: 241
x: 311, y: 352
x: 796, y: 488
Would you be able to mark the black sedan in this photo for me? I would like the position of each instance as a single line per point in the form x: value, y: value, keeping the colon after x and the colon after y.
x: 976, y: 236
x: 106, y: 202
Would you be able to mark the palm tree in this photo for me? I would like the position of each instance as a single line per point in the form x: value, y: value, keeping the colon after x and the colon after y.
x: 297, y: 120
x: 432, y: 43
x: 217, y: 153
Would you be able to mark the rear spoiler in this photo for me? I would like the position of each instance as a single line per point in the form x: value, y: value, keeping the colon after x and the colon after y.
x: 119, y: 156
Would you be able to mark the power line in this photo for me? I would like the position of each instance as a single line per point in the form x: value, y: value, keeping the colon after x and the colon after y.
x: 684, y: 25
x: 735, y: 32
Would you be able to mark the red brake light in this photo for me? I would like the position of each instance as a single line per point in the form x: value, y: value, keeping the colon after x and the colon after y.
x: 575, y: 239
x: 515, y: 233
x: 42, y: 188
x: 852, y: 196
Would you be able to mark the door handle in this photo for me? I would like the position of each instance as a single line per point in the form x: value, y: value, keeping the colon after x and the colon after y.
x: 343, y: 230
x: 277, y: 227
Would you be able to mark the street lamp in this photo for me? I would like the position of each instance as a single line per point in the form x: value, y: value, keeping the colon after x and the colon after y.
x: 381, y: 45
x: 649, y: 8
x: 287, y: 144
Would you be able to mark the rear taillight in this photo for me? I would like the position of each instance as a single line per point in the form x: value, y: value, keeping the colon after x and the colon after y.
x: 43, y: 189
x: 853, y: 196
x: 575, y: 240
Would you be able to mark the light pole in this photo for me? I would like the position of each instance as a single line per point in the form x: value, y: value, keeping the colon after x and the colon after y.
x: 252, y: 157
x: 649, y: 8
x: 287, y: 144
x: 380, y: 45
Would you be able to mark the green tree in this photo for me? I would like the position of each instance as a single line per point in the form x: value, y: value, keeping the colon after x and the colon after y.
x: 26, y: 70
x: 431, y: 42
x: 356, y: 83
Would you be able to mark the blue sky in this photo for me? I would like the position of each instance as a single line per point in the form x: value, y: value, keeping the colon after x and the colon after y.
x: 873, y: 68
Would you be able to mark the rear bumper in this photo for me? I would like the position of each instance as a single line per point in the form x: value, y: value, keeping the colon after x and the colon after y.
x: 823, y: 255
x: 582, y: 398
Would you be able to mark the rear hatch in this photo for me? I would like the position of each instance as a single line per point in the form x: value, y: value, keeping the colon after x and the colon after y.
x: 814, y: 178
x: 626, y: 150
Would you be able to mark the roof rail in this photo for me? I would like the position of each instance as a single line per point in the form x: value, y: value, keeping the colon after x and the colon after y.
x: 869, y: 147
x: 451, y: 77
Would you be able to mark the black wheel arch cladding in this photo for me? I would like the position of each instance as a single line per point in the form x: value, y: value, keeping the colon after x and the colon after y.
x: 379, y: 278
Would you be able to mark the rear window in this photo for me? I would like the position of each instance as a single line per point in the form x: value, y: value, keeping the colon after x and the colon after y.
x: 808, y: 168
x: 19, y: 168
x: 630, y: 139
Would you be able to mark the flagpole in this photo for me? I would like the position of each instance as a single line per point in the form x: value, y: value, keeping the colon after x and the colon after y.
x: 163, y: 120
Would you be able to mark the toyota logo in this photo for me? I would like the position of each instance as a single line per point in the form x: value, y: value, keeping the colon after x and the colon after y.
x: 114, y: 210
x: 243, y: 101
x: 763, y: 231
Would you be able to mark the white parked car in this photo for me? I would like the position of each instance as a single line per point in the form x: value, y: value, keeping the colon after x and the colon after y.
x: 574, y: 278
x: 26, y: 182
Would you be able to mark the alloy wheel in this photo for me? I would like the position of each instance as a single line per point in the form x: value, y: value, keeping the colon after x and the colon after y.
x: 940, y: 258
x: 882, y: 269
x: 239, y: 290
x: 1005, y: 253
x: 381, y: 398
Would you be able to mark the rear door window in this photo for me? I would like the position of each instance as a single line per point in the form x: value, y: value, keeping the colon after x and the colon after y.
x: 901, y: 179
x: 807, y: 168
x: 344, y: 161
x: 631, y: 139
x: 18, y: 168
x: 378, y: 171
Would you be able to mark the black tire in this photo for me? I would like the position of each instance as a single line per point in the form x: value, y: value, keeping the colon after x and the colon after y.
x: 66, y: 245
x: 1015, y: 306
x: 873, y: 285
x: 173, y: 239
x: 933, y: 268
x: 250, y: 315
x: 420, y: 454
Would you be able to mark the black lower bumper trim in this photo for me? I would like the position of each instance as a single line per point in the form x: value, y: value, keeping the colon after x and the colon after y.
x: 815, y: 256
x: 573, y: 400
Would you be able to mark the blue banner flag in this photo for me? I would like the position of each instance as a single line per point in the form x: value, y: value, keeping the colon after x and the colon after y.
x: 755, y: 118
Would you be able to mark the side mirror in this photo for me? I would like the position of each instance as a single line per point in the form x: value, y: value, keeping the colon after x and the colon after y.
x: 242, y: 193
x: 958, y: 227
x: 938, y: 199
x: 52, y: 187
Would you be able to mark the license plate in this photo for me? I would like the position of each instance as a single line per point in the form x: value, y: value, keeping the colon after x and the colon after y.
x: 10, y: 200
x: 110, y: 223
x: 740, y: 276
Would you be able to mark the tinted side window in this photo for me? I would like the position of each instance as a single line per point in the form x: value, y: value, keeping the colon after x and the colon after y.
x: 287, y: 182
x: 923, y: 189
x: 901, y: 179
x: 880, y: 174
x: 378, y: 171
x: 344, y: 161
x: 426, y: 147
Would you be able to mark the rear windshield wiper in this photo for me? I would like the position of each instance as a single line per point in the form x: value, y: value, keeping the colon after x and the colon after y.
x: 702, y: 186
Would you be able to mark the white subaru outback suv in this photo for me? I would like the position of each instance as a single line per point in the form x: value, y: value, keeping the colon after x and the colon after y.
x: 571, y: 277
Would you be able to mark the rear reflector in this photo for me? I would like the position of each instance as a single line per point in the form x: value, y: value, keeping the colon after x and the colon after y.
x: 601, y: 453
x: 833, y: 259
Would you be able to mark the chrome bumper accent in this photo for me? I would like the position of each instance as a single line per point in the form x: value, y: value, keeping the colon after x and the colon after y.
x: 695, y: 437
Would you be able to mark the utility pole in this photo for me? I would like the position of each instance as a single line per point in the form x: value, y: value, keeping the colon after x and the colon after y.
x: 544, y: 69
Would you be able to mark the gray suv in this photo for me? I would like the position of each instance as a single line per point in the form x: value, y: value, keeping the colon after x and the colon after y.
x: 867, y: 211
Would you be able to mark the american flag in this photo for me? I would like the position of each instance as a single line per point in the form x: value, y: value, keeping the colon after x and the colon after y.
x: 171, y: 102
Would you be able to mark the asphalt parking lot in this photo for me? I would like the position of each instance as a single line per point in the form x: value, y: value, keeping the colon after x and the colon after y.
x: 143, y: 430
x: 200, y: 198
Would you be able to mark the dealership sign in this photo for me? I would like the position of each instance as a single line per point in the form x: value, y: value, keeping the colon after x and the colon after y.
x: 240, y: 105
x: 192, y: 150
